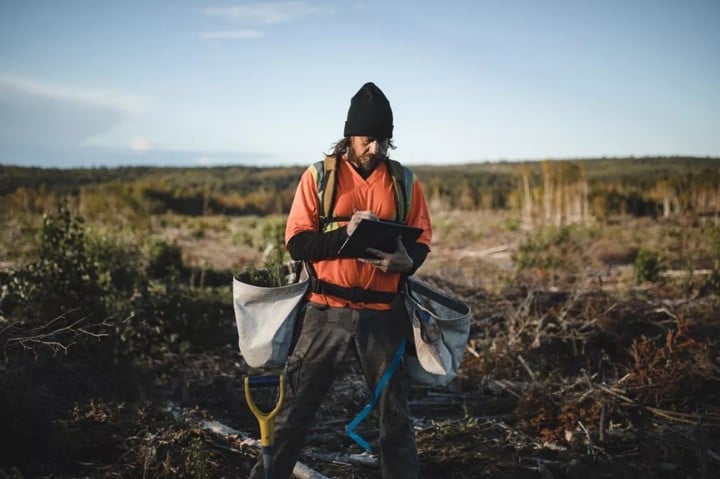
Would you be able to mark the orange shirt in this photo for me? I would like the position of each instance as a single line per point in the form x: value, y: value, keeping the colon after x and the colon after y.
x: 353, y: 192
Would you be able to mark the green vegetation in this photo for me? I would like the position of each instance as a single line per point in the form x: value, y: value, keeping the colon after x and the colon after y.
x: 274, y: 270
x: 132, y: 303
x: 647, y: 266
x: 549, y: 248
x: 632, y: 186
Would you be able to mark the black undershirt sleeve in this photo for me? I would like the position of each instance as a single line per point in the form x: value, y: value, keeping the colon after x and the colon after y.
x: 418, y: 253
x: 309, y: 245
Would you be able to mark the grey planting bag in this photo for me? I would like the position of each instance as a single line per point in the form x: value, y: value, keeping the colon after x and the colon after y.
x: 265, y: 316
x: 440, y: 330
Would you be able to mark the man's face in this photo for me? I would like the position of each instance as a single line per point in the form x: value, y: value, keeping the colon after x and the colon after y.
x: 366, y: 151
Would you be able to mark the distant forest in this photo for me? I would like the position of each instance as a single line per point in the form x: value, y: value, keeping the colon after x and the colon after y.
x: 596, y: 187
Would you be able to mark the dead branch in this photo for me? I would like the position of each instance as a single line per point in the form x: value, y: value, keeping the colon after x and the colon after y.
x: 514, y: 388
x: 527, y: 367
x: 54, y: 335
x: 676, y: 416
x: 301, y: 471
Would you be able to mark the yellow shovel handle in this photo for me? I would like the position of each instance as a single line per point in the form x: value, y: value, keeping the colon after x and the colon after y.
x: 265, y: 420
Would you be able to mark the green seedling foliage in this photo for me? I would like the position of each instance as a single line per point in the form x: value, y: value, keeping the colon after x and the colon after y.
x: 274, y: 270
x: 647, y: 266
x: 273, y: 234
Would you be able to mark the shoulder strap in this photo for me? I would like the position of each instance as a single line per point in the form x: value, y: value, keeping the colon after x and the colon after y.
x: 402, y: 179
x: 328, y: 188
x: 325, y: 172
x: 326, y: 179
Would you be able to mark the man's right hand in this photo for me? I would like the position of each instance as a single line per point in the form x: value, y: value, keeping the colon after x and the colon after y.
x: 357, y: 217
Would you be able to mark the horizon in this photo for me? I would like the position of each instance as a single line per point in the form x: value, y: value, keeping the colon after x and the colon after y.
x: 414, y: 165
x: 182, y: 83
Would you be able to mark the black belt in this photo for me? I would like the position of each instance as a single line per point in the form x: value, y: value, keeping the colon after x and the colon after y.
x: 355, y: 294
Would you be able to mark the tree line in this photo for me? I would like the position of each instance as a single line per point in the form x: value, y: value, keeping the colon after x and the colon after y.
x: 554, y: 191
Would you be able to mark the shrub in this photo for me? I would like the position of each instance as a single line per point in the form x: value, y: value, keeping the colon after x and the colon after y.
x: 647, y: 266
x: 167, y: 318
x: 165, y: 260
x: 512, y: 224
x: 547, y: 248
x: 64, y: 276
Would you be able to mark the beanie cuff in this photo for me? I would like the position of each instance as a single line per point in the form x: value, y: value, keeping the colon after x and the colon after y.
x: 371, y: 129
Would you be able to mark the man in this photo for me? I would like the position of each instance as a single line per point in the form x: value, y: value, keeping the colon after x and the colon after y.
x: 354, y: 303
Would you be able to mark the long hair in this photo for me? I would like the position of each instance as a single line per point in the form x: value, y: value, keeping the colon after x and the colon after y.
x: 341, y: 147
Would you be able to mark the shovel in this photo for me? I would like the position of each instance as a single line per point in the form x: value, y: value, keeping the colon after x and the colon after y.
x: 266, y: 420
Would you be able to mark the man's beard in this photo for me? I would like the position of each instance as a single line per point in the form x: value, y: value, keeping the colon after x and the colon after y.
x: 366, y: 164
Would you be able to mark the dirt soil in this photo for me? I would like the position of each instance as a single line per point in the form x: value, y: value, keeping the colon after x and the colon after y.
x: 563, y: 384
x: 555, y: 384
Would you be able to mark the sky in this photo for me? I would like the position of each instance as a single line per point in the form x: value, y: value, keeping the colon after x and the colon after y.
x: 89, y: 83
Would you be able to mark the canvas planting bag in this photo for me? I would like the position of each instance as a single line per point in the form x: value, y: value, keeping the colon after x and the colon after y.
x: 440, y: 329
x: 265, y: 318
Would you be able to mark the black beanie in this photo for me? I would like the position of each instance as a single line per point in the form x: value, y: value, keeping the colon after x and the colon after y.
x: 369, y: 114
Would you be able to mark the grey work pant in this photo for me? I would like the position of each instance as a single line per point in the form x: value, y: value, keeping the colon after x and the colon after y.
x: 325, y: 336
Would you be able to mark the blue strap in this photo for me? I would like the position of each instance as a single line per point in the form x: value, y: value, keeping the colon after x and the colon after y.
x: 376, y: 395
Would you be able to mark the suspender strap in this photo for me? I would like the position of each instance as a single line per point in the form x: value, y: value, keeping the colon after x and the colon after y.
x: 376, y: 395
x: 355, y: 295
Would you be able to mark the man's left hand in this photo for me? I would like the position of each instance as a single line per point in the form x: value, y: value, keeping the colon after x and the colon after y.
x: 397, y: 262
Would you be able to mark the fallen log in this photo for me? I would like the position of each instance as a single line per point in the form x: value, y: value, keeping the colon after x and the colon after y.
x: 363, y: 459
x: 300, y: 471
x: 680, y: 273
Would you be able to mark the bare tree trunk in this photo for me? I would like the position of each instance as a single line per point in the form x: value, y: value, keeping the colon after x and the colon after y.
x: 586, y: 218
x: 527, y: 201
x: 559, y: 205
x: 548, y: 191
x: 206, y: 198
x: 577, y: 203
x: 565, y: 193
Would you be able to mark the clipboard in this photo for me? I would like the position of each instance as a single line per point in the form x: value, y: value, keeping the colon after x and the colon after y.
x: 380, y: 235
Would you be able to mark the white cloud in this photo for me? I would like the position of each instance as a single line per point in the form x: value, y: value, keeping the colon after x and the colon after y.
x: 267, y: 13
x: 245, y: 34
x: 43, y: 114
x: 142, y: 144
x: 93, y: 156
x: 124, y: 104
